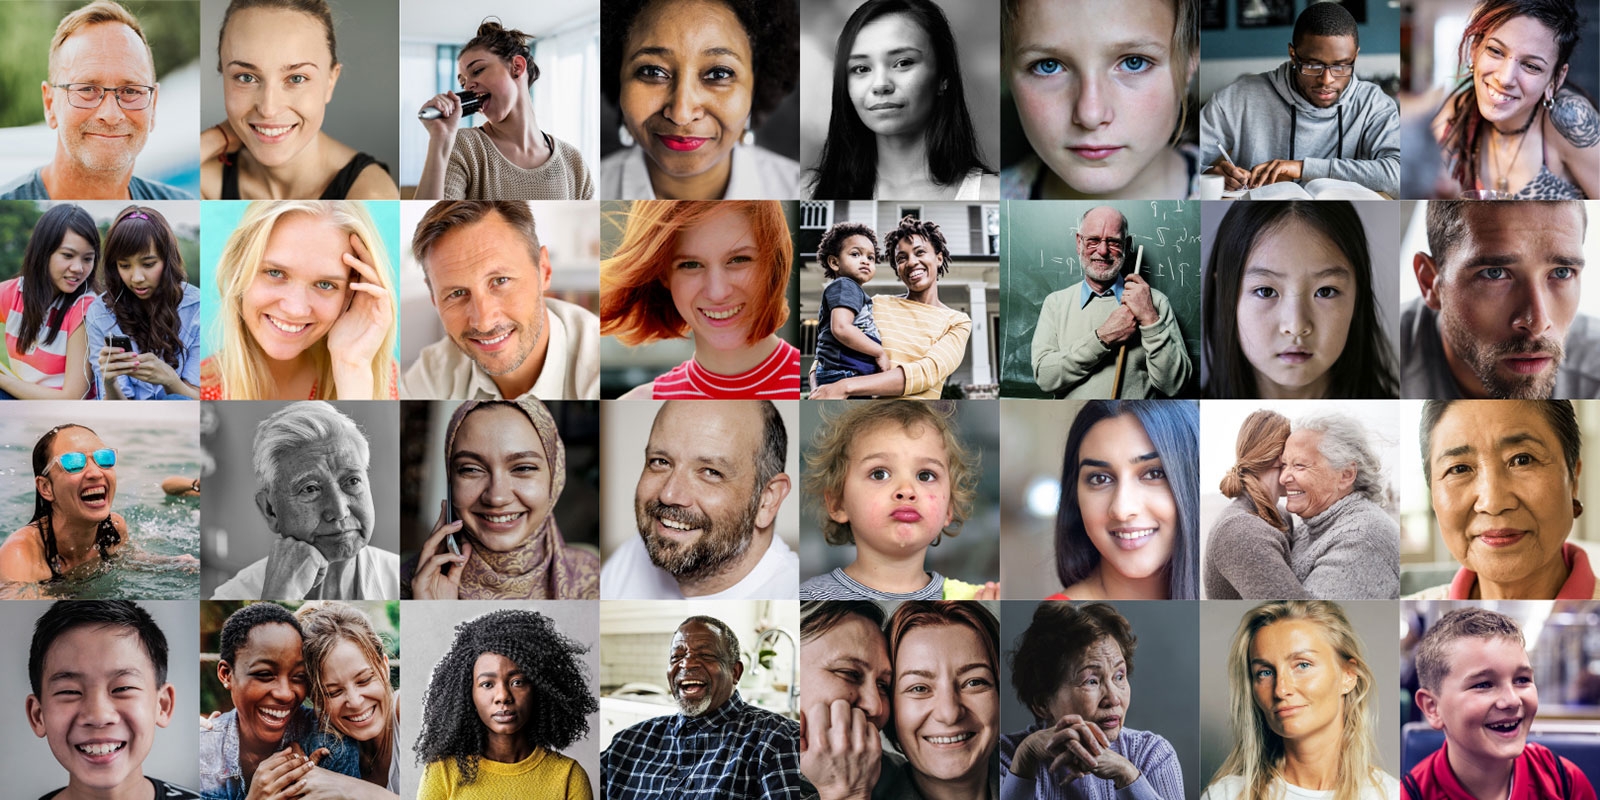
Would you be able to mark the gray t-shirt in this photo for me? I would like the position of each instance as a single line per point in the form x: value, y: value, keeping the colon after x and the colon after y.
x: 138, y: 189
x: 836, y: 585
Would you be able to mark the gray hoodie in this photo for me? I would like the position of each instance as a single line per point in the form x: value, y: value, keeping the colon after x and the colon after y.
x: 1258, y: 118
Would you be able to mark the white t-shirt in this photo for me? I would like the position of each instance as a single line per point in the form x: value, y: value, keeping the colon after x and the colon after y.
x: 1232, y: 788
x: 629, y: 575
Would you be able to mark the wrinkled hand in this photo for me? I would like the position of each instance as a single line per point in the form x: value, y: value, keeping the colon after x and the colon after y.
x: 1274, y: 171
x: 1136, y: 296
x: 1040, y: 752
x: 1233, y: 178
x: 430, y: 582
x: 1119, y: 327
x: 355, y: 339
x: 840, y: 752
x: 293, y: 568
x: 218, y: 139
x: 445, y: 126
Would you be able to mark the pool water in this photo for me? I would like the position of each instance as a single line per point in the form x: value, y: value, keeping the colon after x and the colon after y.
x: 161, y: 560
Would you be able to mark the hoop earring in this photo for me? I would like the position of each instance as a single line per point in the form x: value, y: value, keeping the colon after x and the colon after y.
x: 624, y: 136
x: 1550, y: 101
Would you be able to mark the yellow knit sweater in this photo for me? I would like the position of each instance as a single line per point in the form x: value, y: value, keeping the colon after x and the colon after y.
x: 541, y: 776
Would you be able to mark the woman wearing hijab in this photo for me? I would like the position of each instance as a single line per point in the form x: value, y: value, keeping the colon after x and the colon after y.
x: 507, y: 467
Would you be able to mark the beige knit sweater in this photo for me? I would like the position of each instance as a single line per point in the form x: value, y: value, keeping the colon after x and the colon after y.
x: 478, y: 171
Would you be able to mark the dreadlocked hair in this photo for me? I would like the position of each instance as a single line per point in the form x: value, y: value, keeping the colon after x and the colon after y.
x: 562, y: 700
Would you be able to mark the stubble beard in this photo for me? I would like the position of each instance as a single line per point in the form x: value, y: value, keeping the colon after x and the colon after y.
x: 1483, y: 360
x: 720, y: 546
x: 528, y: 343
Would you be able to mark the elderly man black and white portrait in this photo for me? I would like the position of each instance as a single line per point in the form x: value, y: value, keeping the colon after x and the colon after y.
x: 320, y: 482
x: 1311, y: 513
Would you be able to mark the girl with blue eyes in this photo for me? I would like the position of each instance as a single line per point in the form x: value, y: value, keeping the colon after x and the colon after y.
x: 508, y: 157
x: 1127, y: 524
x: 279, y: 66
x: 899, y: 127
x: 507, y: 466
x: 1511, y: 130
x: 1101, y: 91
x: 307, y: 307
x: 693, y: 80
x: 892, y: 479
x: 1289, y: 305
x: 1301, y: 694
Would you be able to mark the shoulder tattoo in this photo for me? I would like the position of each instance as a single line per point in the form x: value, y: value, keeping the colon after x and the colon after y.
x: 1576, y: 120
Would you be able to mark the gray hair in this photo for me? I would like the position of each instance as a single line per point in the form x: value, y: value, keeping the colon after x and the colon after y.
x: 297, y: 425
x: 1345, y: 443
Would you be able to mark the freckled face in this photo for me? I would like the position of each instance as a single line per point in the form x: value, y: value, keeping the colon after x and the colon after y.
x: 1298, y: 679
x: 277, y: 77
x: 715, y: 278
x: 893, y: 79
x: 301, y: 287
x: 1296, y: 302
x: 1126, y: 502
x: 1098, y: 101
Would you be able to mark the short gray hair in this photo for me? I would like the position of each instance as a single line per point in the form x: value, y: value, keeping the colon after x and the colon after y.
x: 1122, y: 226
x: 1346, y: 443
x: 297, y: 425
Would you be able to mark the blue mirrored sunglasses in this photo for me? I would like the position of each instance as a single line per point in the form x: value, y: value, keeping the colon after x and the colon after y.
x: 73, y: 463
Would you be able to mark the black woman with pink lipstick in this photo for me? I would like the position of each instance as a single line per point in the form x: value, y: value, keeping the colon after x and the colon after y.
x: 269, y: 742
x: 45, y: 307
x: 146, y: 298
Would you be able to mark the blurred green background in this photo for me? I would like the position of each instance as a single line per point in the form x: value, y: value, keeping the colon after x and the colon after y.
x: 17, y: 218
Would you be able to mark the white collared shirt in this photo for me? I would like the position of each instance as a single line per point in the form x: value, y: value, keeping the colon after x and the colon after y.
x: 571, y: 368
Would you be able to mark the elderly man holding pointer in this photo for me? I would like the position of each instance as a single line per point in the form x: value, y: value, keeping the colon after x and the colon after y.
x: 1082, y: 329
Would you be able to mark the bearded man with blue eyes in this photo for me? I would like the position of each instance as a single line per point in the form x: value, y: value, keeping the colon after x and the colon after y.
x: 314, y: 493
x: 1498, y: 316
x: 1310, y: 118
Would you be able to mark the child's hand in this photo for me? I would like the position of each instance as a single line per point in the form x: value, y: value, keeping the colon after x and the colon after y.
x: 884, y: 364
x: 961, y: 590
x: 990, y: 591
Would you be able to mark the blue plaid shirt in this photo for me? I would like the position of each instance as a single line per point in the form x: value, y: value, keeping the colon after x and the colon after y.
x: 737, y: 751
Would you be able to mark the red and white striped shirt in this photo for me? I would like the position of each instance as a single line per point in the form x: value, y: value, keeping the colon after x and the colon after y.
x: 775, y: 378
x: 46, y: 363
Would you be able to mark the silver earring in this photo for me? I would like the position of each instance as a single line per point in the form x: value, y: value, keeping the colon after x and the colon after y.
x: 1549, y: 102
x: 624, y: 137
x: 748, y: 138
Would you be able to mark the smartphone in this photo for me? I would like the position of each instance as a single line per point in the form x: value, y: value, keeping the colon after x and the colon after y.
x: 120, y: 341
x: 449, y: 517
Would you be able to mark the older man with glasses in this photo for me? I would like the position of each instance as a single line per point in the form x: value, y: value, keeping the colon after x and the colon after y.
x: 1308, y: 119
x: 100, y: 97
x: 1106, y: 323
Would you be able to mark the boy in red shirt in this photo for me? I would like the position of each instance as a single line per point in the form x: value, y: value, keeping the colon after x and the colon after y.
x: 1477, y: 687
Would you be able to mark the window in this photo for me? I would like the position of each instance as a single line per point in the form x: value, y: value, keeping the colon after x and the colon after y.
x: 816, y: 214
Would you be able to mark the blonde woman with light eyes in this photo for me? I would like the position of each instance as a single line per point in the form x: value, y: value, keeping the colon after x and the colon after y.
x: 1301, y: 694
x: 308, y: 308
x: 280, y: 64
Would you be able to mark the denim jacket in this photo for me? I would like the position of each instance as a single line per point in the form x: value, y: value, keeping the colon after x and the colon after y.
x: 220, y: 776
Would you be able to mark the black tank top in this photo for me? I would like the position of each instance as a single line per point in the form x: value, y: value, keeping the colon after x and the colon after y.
x: 337, y: 188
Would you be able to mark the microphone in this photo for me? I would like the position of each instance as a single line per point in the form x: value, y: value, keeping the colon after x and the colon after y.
x: 470, y: 103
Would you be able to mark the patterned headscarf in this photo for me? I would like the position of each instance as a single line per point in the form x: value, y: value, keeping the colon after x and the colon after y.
x: 544, y: 568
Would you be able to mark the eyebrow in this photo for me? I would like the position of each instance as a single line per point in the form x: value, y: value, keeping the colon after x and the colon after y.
x: 336, y: 277
x: 470, y: 64
x: 1505, y: 441
x: 1329, y: 272
x: 517, y: 456
x: 923, y: 673
x: 894, y: 52
x: 664, y: 52
x: 720, y: 462
x: 1292, y: 656
x: 512, y: 674
x: 286, y: 67
x: 740, y: 249
x: 885, y: 454
x: 1095, y: 462
x: 69, y: 675
x: 1510, y: 260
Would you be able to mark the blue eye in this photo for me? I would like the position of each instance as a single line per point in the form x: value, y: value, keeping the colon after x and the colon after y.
x: 1135, y: 64
x: 1494, y: 274
x: 1048, y: 66
x: 1563, y: 273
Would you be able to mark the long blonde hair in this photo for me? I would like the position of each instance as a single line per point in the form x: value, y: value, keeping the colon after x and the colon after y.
x: 1258, y: 753
x: 324, y: 626
x: 242, y: 366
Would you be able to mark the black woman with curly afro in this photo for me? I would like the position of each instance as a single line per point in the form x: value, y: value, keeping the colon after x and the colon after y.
x: 511, y: 692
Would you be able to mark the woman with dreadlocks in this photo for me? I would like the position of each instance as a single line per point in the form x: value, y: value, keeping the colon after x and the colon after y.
x: 509, y: 694
x: 75, y: 484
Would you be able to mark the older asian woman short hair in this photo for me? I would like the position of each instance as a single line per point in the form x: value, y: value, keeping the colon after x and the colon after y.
x: 1072, y: 669
x: 1527, y: 457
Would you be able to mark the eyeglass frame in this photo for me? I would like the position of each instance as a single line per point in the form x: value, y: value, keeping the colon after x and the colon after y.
x: 1115, y: 244
x: 88, y: 454
x: 72, y: 94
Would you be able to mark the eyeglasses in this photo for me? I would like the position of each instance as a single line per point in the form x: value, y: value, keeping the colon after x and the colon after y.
x: 1316, y: 70
x: 132, y: 97
x: 73, y: 463
x: 1093, y: 243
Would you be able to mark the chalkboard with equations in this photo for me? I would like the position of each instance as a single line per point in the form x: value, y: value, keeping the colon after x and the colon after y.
x: 1039, y: 255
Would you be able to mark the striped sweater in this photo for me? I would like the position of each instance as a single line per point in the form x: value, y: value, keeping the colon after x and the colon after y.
x: 928, y: 342
x: 775, y: 378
